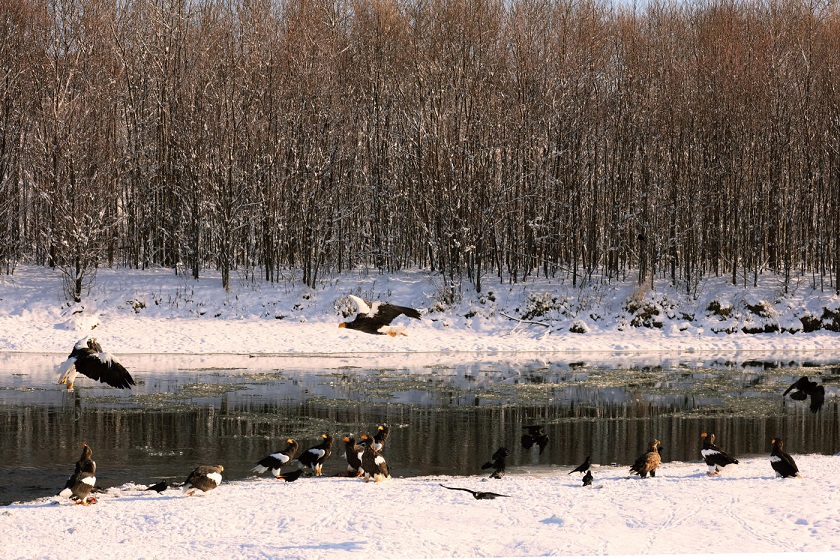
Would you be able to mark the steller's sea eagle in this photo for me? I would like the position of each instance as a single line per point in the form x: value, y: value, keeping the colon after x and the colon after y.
x: 376, y: 317
x: 88, y: 359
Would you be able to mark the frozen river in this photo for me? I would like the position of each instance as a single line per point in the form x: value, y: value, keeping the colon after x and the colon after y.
x: 447, y: 414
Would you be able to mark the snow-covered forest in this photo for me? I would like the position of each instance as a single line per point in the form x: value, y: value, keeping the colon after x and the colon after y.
x: 472, y: 138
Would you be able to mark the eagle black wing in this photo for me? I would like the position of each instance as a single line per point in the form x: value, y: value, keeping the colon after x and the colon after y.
x: 102, y: 367
x: 387, y: 312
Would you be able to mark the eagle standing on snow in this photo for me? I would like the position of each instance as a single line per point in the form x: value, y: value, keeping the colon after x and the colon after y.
x: 88, y: 359
x: 649, y: 461
x: 373, y: 462
x: 714, y: 456
x: 802, y: 389
x: 782, y: 463
x: 204, y: 478
x: 314, y: 457
x: 353, y: 451
x: 80, y: 484
x: 276, y: 460
x: 376, y: 317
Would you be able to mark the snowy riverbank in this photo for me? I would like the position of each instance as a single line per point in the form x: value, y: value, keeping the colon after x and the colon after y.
x: 681, y: 511
x: 158, y: 312
x: 152, y: 319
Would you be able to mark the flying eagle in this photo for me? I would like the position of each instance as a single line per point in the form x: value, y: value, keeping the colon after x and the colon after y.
x: 376, y: 317
x: 802, y: 389
x: 88, y: 359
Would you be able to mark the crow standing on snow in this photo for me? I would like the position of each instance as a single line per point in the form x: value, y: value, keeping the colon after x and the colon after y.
x: 158, y: 487
x: 497, y: 462
x: 583, y: 467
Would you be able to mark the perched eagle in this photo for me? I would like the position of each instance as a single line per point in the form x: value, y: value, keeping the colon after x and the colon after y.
x: 380, y: 437
x: 80, y: 484
x: 714, y: 456
x: 374, y: 463
x: 802, y: 389
x: 497, y: 462
x: 376, y: 317
x: 314, y: 457
x: 204, y: 478
x: 276, y: 460
x: 649, y: 461
x: 88, y: 359
x: 353, y: 451
x: 782, y: 463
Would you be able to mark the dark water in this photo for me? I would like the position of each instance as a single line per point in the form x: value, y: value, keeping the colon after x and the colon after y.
x: 445, y: 419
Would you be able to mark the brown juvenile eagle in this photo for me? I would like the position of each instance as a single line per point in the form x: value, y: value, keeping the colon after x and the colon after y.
x: 649, y: 461
x: 204, y: 478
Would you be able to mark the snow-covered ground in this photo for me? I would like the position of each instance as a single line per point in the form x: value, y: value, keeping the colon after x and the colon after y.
x: 158, y: 312
x: 681, y: 511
